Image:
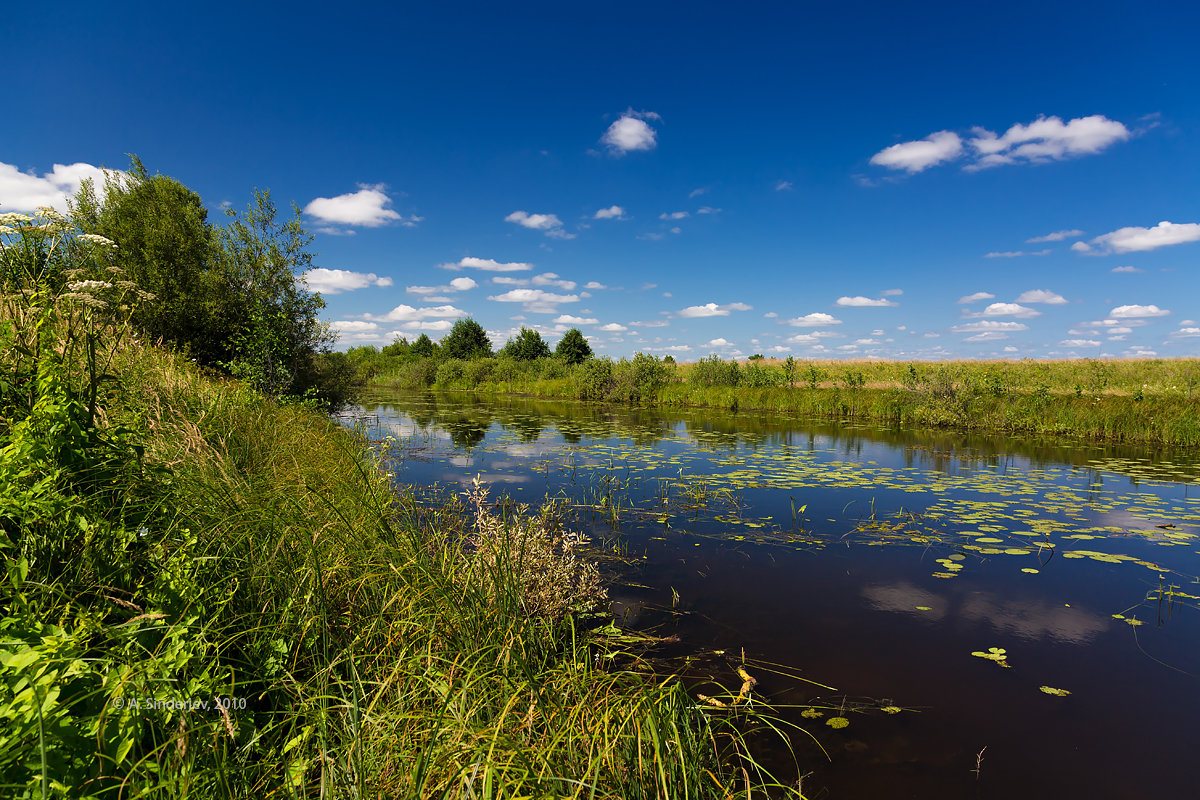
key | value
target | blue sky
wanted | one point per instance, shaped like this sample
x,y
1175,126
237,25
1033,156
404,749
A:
x,y
871,180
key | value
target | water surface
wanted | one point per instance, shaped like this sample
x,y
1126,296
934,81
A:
x,y
877,561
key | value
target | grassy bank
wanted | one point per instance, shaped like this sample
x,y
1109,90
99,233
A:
x,y
171,539
1138,402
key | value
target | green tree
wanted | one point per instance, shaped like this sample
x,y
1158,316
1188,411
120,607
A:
x,y
423,347
467,340
527,345
399,347
573,347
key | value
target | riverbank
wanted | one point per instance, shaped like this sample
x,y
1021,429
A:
x,y
1024,399
210,594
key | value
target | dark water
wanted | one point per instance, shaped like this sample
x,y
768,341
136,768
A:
x,y
914,550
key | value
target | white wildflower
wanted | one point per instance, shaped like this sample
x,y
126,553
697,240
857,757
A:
x,y
87,286
95,238
11,217
6,230
46,212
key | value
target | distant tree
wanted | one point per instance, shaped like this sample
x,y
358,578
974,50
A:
x,y
789,370
423,347
467,340
527,345
573,348
668,359
398,347
757,357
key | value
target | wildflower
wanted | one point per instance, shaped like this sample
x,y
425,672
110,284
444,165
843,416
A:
x,y
87,286
11,217
96,239
5,230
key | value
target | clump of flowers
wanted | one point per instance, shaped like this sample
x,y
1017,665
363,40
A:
x,y
533,553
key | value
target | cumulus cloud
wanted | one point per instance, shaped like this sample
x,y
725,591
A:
x,y
354,325
1186,333
1134,239
548,224
718,342
488,265
989,325
367,208
713,310
594,285
1046,139
708,210
455,285
25,191
673,215
405,313
567,319
613,327
975,298
1079,343
552,279
1134,312
814,320
335,281
649,323
536,301
631,132
987,336
864,302
936,148
1125,269
1041,296
1057,236
1006,310
612,212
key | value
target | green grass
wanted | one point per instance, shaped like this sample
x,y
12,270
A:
x,y
195,540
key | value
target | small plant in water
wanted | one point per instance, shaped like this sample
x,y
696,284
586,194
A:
x,y
997,654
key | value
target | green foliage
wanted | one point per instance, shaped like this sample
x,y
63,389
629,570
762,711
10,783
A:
x,y
450,371
712,371
423,347
852,379
527,345
593,379
757,376
814,375
466,340
789,370
573,347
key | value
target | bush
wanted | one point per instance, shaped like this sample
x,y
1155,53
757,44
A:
x,y
479,371
755,376
594,379
450,371
552,368
712,371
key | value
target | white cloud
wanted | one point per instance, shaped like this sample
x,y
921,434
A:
x,y
504,280
863,302
404,313
987,336
1079,343
974,298
771,315
892,292
814,320
1006,310
713,310
1057,236
989,325
1186,333
783,186
567,319
913,157
1016,253
1114,323
1126,312
630,133
649,323
673,215
718,343
613,327
537,301
335,281
1041,296
488,265
549,224
1081,247
428,325
612,212
455,285
1046,139
552,279
594,285
697,192
708,210
676,230
25,191
354,325
368,208
677,348
1125,269
1133,239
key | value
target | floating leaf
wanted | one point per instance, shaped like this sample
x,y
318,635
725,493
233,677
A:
x,y
811,713
837,722
891,709
1053,691
1030,570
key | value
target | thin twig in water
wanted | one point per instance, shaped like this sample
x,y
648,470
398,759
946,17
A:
x,y
978,762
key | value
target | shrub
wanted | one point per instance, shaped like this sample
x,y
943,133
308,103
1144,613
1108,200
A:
x,y
757,376
553,367
712,371
450,371
594,379
478,371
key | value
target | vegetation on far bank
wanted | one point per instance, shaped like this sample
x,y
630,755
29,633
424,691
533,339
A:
x,y
1136,401
212,591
